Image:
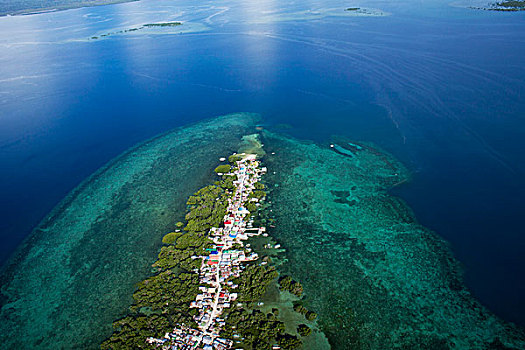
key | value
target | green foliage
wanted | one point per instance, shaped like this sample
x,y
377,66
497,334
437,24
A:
x,y
257,194
163,300
304,330
225,168
208,207
131,332
300,309
259,331
288,341
288,284
310,315
512,3
227,182
165,24
171,257
253,282
258,186
234,158
251,207
171,237
192,240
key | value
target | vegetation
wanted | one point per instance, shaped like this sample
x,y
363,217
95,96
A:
x,y
253,282
162,301
234,158
288,284
165,24
513,3
288,341
225,168
309,315
304,330
300,309
252,208
171,237
258,330
227,182
207,209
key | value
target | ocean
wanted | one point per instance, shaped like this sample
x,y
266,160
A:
x,y
438,86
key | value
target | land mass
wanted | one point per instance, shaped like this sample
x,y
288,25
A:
x,y
505,6
26,7
208,279
142,27
511,5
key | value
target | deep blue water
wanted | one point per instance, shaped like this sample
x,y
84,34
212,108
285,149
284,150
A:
x,y
438,86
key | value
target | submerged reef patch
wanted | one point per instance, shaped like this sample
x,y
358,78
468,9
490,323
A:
x,y
376,278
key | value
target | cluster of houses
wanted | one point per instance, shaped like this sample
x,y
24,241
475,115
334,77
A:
x,y
222,264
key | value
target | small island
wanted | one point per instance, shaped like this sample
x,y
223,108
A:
x,y
510,5
142,27
208,281
503,6
165,24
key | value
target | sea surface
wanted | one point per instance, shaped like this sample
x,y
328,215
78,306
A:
x,y
439,86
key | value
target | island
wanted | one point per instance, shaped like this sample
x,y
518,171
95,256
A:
x,y
163,24
504,6
142,27
208,280
510,5
342,262
26,7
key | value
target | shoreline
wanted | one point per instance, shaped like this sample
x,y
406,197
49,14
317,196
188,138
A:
x,y
40,11
77,235
209,262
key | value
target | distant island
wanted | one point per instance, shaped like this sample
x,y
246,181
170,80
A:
x,y
505,6
164,24
27,7
134,29
510,5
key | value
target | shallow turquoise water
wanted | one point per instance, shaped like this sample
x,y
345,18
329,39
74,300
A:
x,y
377,278
77,272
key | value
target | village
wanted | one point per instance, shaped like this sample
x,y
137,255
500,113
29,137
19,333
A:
x,y
223,262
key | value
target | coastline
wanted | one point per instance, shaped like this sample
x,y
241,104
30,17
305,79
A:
x,y
89,252
381,279
38,11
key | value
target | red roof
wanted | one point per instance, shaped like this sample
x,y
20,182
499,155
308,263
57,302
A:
x,y
228,222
